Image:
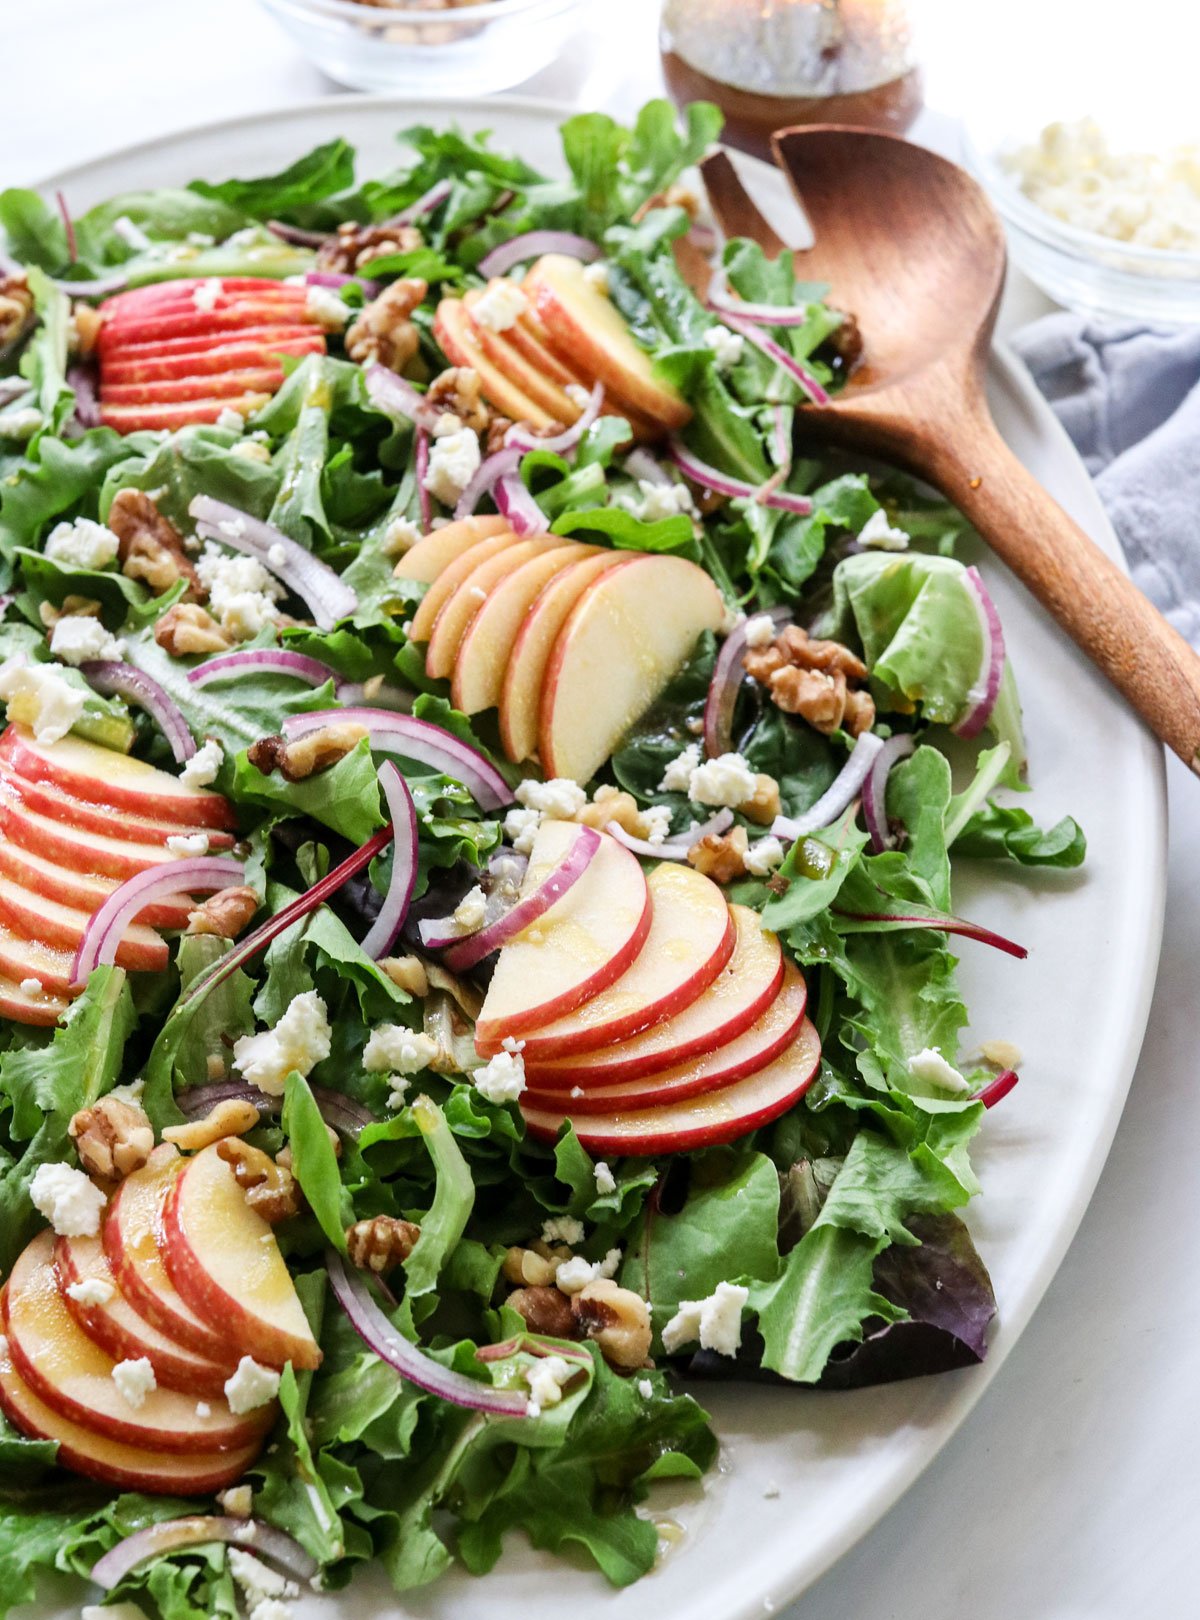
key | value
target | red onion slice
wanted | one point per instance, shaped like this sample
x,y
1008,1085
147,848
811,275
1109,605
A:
x,y
997,1089
425,204
776,352
488,475
875,789
941,924
100,287
265,661
298,237
727,678
199,1530
337,279
387,925
424,498
464,953
532,244
643,846
781,441
343,1113
692,835
124,680
525,516
82,382
408,1359
396,397
709,478
327,598
837,796
421,740
981,699
200,874
724,302
520,437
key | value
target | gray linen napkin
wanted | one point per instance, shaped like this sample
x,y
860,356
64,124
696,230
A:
x,y
1130,400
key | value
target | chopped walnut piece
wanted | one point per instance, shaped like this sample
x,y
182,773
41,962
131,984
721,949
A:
x,y
380,1243
86,322
764,803
225,913
73,607
354,246
846,340
270,1189
497,433
113,1138
808,652
151,547
232,1117
617,1320
317,751
383,330
458,389
545,1310
187,629
721,856
16,306
860,713
815,696
528,1267
407,973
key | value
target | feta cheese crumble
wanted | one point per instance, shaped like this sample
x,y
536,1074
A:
x,y
520,828
560,797
68,1199
201,770
661,501
263,1587
573,1276
546,1379
453,462
91,1291
878,534
677,778
763,856
231,421
134,1380
656,823
205,296
300,1040
251,1386
726,346
502,1080
597,278
203,1409
471,910
562,1229
188,843
82,544
645,1388
395,1046
727,780
606,1182
77,639
933,1068
30,987
401,535
242,595
760,630
328,308
500,306
398,1092
38,697
715,1321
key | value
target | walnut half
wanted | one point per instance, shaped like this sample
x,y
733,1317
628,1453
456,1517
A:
x,y
380,1243
383,331
151,547
188,628
617,1319
113,1138
271,1190
317,751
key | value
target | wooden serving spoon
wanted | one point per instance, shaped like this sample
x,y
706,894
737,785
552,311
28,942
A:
x,y
910,244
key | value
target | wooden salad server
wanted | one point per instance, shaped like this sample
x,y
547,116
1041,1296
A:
x,y
910,243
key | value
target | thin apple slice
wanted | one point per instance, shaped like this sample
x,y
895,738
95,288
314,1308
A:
x,y
131,1468
453,621
531,339
35,916
118,1329
452,576
699,1121
225,1262
87,771
48,799
691,938
766,1039
738,996
453,329
528,377
74,1375
585,941
22,959
39,1007
484,650
132,1245
165,361
438,549
587,326
209,385
525,672
81,851
153,418
627,635
83,890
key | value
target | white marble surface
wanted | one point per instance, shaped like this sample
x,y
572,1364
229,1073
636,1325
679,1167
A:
x,y
1072,1492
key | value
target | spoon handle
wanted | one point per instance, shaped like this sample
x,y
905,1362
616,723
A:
x,y
1098,605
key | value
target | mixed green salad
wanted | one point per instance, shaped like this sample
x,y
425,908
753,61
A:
x,y
824,1247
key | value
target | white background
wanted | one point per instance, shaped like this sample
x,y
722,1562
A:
x,y
1072,1492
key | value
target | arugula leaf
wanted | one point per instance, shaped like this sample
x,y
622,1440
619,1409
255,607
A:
x,y
821,1299
58,479
33,231
1007,832
313,1163
291,193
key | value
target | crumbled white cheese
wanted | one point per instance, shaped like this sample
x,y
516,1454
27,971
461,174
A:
x,y
203,1409
520,828
252,450
327,308
30,987
677,778
760,630
546,1378
131,1094
238,1501
91,1291
78,638
242,595
645,1388
68,1199
453,462
727,780
398,1092
573,1276
562,1229
230,421
879,535
201,770
597,277
931,1067
39,697
726,346
471,910
276,555
510,1043
134,1380
559,797
763,856
715,1321
112,1611
82,544
606,1182
251,1386
393,1046
500,306
188,843
656,823
502,1080
300,1040
400,536
205,296
661,501
578,395
1002,1053
262,1586
21,424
